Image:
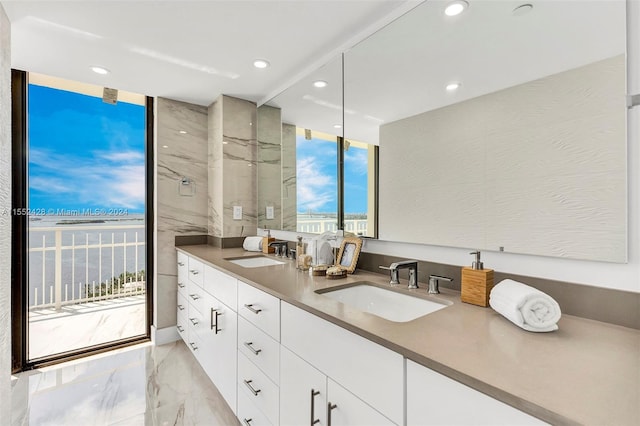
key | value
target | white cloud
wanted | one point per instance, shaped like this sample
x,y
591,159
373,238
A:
x,y
315,189
357,160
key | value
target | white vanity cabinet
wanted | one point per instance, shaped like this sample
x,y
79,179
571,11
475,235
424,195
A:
x,y
307,396
434,399
362,375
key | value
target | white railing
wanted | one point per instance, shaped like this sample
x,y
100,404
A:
x,y
321,225
64,293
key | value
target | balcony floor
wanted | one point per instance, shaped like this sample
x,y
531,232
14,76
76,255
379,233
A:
x,y
79,326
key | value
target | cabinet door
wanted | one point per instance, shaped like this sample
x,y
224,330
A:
x,y
344,408
303,391
219,339
434,399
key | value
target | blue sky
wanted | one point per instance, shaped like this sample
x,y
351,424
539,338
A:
x,y
317,180
84,153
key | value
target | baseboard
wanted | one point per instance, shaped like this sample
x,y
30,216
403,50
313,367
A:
x,y
165,335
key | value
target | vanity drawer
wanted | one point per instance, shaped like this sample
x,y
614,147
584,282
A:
x,y
196,271
260,309
183,327
249,414
221,286
183,269
182,304
260,390
194,343
260,348
196,297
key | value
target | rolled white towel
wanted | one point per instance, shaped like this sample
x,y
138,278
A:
x,y
252,244
525,306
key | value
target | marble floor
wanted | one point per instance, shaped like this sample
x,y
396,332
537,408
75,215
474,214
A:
x,y
79,326
141,385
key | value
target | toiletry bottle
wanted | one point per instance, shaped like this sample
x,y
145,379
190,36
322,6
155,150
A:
x,y
266,241
477,283
300,253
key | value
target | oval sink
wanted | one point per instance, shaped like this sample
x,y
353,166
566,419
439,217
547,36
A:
x,y
254,261
385,303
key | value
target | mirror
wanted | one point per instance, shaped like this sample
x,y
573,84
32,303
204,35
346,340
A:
x,y
527,155
297,128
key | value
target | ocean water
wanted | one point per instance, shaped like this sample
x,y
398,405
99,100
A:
x,y
83,265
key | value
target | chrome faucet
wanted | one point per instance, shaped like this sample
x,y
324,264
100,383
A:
x,y
434,287
281,248
411,265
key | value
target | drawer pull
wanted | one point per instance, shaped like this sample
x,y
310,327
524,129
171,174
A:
x,y
252,309
194,296
314,393
180,329
214,326
253,391
180,263
194,321
193,345
247,422
255,351
181,307
194,271
330,407
181,285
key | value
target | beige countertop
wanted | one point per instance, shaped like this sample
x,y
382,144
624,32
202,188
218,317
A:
x,y
587,372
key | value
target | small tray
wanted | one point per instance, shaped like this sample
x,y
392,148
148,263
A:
x,y
319,271
342,274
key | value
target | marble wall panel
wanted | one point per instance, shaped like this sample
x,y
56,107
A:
x,y
289,184
215,168
180,209
269,166
5,217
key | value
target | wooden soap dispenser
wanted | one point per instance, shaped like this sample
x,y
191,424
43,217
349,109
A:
x,y
477,283
268,239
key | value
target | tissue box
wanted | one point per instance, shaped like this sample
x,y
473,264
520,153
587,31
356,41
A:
x,y
476,285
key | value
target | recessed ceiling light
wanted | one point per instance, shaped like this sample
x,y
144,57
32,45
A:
x,y
454,85
320,83
225,143
183,132
456,8
260,63
165,146
99,70
337,126
523,9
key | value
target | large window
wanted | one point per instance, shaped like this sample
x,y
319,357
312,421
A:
x,y
84,218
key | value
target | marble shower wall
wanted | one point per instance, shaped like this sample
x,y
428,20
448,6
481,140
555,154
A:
x,y
180,209
289,183
5,216
232,167
269,166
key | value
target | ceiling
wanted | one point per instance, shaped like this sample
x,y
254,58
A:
x,y
191,51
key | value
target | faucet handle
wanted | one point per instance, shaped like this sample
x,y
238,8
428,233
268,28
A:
x,y
434,287
393,273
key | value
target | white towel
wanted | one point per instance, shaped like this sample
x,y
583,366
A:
x,y
525,306
252,244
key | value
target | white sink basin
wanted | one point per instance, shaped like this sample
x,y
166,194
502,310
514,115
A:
x,y
255,261
385,303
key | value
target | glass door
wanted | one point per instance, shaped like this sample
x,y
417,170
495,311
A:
x,y
86,284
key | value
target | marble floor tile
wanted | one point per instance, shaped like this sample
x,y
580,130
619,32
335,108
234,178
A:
x,y
145,385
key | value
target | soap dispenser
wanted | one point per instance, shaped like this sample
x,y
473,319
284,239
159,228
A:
x,y
477,282
266,240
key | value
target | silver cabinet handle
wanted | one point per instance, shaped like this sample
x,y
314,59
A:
x,y
247,422
180,263
194,271
181,285
194,296
255,351
314,393
253,391
330,407
180,328
193,345
181,307
252,309
194,321
214,326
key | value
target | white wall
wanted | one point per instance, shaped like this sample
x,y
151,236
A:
x,y
609,275
5,217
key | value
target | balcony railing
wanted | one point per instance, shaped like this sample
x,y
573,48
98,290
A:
x,y
65,291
